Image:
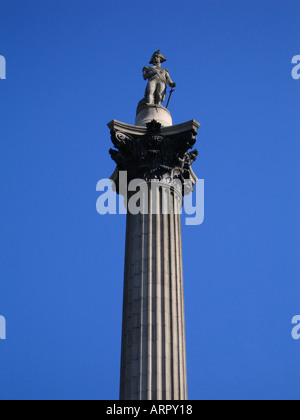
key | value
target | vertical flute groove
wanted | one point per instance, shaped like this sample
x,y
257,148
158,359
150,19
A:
x,y
183,316
149,302
158,394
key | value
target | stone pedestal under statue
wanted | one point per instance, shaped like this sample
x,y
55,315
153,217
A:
x,y
147,113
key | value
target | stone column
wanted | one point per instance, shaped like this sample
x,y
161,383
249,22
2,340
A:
x,y
153,362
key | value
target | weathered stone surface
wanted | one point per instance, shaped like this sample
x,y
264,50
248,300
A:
x,y
153,363
154,153
148,113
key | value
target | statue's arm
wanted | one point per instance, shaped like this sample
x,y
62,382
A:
x,y
146,72
169,80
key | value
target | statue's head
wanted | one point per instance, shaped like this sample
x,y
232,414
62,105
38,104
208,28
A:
x,y
157,57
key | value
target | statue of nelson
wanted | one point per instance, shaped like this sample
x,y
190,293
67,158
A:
x,y
158,79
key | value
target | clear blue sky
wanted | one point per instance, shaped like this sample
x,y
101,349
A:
x,y
73,66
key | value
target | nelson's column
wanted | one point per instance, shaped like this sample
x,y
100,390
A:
x,y
155,153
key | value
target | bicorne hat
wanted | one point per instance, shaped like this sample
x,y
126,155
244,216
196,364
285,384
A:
x,y
159,54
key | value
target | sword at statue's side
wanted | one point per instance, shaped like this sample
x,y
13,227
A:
x,y
172,90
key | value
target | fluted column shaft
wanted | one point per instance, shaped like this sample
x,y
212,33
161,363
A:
x,y
153,363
